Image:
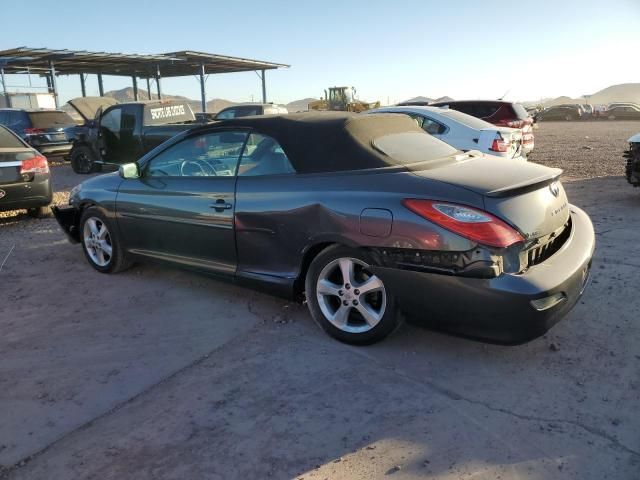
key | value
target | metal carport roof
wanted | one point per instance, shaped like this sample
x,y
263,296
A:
x,y
51,62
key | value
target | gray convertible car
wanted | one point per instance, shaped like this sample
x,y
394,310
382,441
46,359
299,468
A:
x,y
363,215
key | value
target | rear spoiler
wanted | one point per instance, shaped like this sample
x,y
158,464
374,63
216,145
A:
x,y
527,186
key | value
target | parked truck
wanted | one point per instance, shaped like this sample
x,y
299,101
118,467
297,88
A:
x,y
117,133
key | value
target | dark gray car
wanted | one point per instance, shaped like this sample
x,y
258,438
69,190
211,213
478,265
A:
x,y
25,180
363,215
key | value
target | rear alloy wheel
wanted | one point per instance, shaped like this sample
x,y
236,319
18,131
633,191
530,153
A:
x,y
101,246
82,160
347,299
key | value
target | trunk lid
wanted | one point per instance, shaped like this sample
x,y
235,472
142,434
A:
x,y
11,163
526,195
512,136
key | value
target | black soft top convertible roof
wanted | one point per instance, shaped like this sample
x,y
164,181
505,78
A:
x,y
329,141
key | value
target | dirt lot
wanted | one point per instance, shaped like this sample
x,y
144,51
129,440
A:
x,y
157,373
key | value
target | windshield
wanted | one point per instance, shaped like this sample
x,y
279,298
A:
x,y
412,147
50,119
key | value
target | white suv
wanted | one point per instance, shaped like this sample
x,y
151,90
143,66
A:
x,y
250,109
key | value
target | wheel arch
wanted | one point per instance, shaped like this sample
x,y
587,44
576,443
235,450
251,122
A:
x,y
308,255
312,250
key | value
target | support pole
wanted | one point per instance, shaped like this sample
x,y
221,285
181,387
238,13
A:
x,y
148,89
203,93
7,100
54,84
158,82
135,87
264,88
83,86
100,86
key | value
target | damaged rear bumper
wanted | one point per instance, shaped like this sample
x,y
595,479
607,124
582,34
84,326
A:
x,y
68,219
508,309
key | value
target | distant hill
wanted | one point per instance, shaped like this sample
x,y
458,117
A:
x,y
429,100
625,92
300,105
126,95
419,99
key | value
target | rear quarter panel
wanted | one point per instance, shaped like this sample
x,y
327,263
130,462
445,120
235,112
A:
x,y
279,218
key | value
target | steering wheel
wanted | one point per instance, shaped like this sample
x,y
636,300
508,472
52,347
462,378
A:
x,y
198,171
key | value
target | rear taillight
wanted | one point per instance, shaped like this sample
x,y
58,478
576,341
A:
x,y
33,131
476,225
499,144
37,164
514,123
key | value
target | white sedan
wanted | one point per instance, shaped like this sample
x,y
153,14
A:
x,y
463,131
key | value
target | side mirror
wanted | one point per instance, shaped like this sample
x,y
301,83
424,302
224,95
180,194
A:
x,y
129,171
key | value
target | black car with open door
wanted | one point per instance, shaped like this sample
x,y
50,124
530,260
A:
x,y
124,132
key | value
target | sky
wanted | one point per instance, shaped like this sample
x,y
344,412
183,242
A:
x,y
389,50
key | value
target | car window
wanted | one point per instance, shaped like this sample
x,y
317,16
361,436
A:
x,y
50,119
412,147
9,140
248,111
484,109
263,156
419,119
226,114
128,117
433,127
3,117
110,122
462,107
206,155
13,120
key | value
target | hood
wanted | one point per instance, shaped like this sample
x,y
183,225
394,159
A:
x,y
88,106
634,139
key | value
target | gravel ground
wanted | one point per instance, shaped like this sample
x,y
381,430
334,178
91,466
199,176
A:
x,y
157,373
583,149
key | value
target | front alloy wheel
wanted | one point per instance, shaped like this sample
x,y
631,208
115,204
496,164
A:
x,y
347,299
100,242
97,241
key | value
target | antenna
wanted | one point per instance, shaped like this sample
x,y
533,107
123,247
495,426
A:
x,y
504,95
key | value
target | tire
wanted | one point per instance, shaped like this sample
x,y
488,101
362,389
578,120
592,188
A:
x,y
83,160
336,304
39,212
103,250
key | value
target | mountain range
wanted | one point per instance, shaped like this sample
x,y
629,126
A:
x,y
626,92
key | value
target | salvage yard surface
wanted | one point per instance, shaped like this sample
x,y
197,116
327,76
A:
x,y
158,373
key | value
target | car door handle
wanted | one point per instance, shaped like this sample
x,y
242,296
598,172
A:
x,y
221,205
